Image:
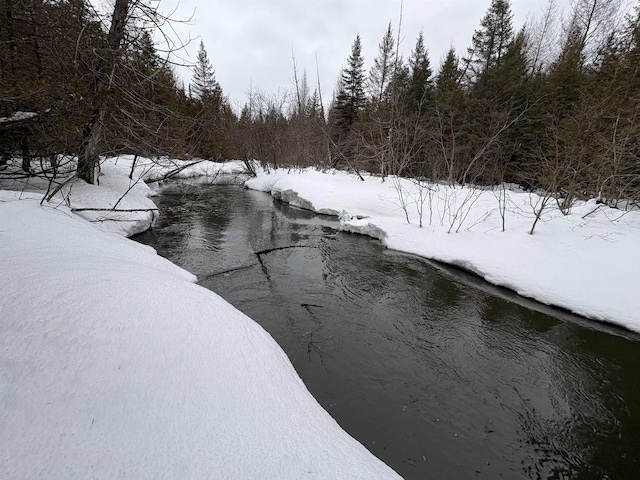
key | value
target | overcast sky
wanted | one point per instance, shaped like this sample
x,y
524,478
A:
x,y
250,42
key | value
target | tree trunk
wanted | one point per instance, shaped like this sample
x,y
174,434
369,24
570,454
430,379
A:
x,y
26,155
88,158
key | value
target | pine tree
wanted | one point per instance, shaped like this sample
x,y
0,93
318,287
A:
x,y
448,78
382,71
449,119
491,41
420,79
350,98
204,83
347,106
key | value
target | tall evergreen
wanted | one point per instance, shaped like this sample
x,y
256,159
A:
x,y
491,41
203,82
448,78
350,98
449,118
420,77
383,67
348,104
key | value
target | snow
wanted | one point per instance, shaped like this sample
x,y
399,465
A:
x,y
196,170
586,261
17,116
114,363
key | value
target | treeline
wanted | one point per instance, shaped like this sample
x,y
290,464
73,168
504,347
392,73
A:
x,y
553,107
76,84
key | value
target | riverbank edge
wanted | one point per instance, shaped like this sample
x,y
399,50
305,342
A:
x,y
600,288
117,364
582,262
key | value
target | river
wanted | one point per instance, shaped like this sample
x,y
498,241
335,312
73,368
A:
x,y
437,373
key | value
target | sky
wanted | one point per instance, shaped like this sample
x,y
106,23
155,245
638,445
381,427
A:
x,y
251,42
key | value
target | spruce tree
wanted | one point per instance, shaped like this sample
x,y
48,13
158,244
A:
x,y
382,71
420,77
491,41
351,96
348,104
203,82
448,78
449,119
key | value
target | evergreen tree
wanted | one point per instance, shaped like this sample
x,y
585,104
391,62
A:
x,y
347,106
382,71
491,41
350,98
448,78
203,82
449,119
566,74
213,115
420,77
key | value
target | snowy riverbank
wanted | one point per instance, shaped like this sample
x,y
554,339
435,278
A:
x,y
587,261
114,363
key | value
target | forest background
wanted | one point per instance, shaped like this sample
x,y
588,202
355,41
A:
x,y
552,107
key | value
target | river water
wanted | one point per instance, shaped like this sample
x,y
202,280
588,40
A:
x,y
437,373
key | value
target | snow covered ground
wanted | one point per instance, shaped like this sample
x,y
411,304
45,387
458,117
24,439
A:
x,y
113,363
587,261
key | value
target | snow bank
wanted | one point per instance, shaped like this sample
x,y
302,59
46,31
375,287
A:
x,y
114,364
201,171
118,204
586,262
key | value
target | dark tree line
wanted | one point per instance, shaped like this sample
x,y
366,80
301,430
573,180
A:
x,y
554,106
76,85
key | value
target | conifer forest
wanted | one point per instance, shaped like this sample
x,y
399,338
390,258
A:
x,y
553,106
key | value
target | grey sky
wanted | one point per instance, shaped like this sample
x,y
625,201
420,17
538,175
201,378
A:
x,y
250,42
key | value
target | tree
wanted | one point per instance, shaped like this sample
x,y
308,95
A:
x,y
212,112
420,86
38,74
543,39
203,82
88,157
491,41
383,68
449,118
350,98
348,104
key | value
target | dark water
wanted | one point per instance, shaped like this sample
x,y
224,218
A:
x,y
438,374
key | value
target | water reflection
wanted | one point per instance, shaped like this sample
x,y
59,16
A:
x,y
437,373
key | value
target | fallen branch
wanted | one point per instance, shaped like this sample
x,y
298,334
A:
x,y
229,270
269,250
177,170
113,209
